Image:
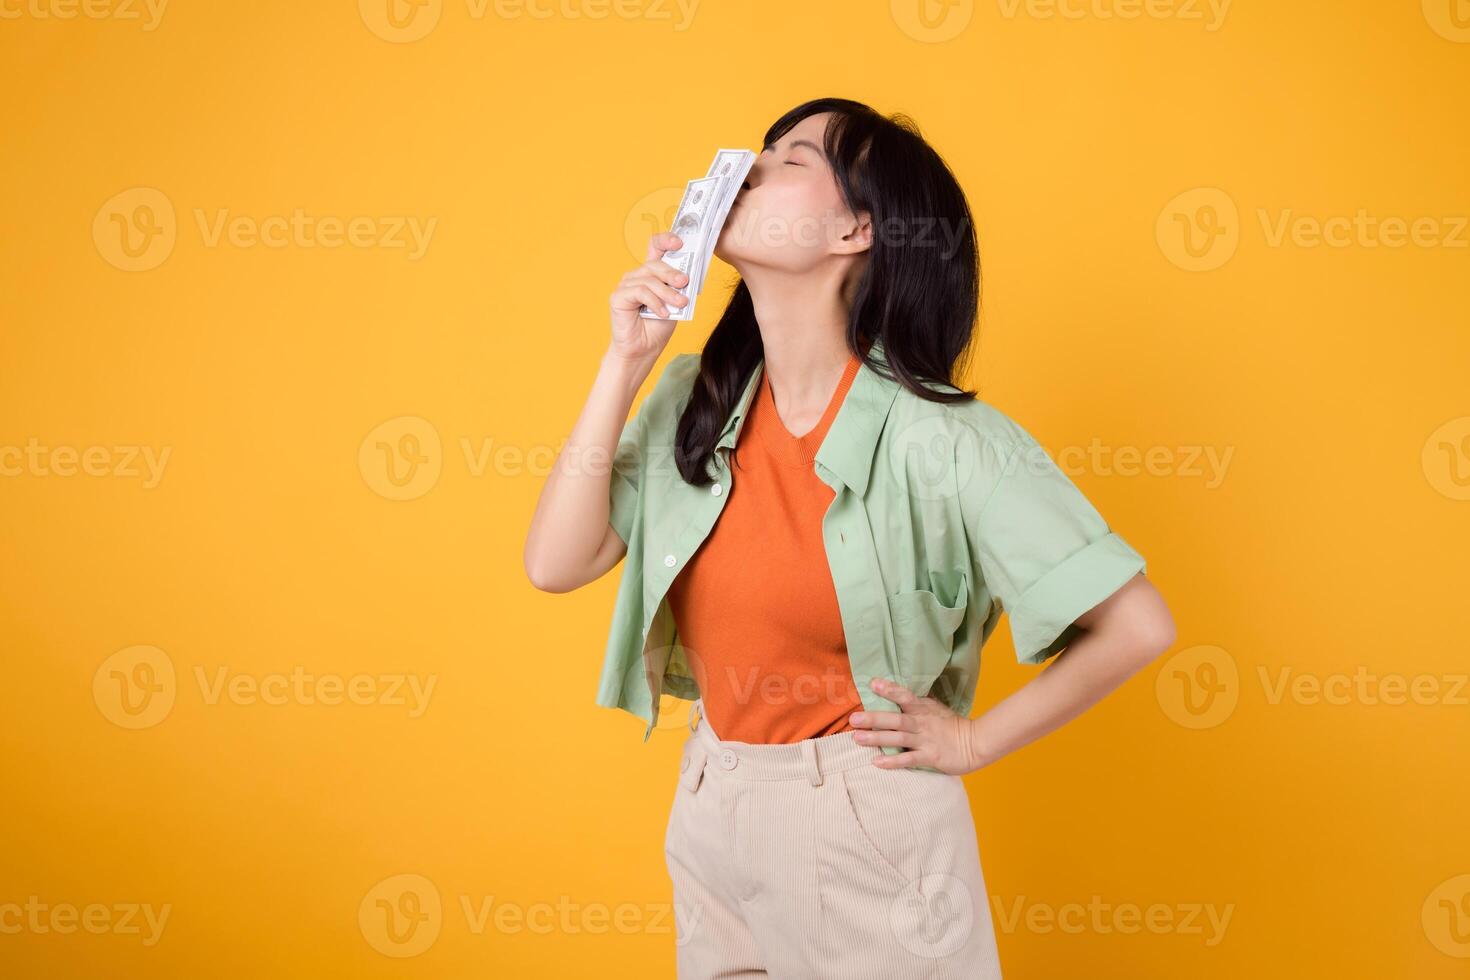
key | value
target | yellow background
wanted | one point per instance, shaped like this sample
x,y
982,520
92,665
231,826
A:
x,y
1329,829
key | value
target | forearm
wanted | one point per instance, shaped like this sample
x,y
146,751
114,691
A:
x,y
1093,664
572,513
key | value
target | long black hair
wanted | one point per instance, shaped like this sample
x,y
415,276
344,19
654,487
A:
x,y
919,293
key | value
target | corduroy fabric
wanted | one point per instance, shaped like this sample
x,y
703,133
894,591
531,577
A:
x,y
804,861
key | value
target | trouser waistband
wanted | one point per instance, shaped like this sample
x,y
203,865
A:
x,y
809,759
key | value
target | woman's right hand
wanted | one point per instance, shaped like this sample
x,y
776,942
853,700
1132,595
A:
x,y
652,284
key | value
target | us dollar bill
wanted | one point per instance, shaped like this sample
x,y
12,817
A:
x,y
700,217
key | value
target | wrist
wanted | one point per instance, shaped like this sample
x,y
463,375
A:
x,y
629,371
977,754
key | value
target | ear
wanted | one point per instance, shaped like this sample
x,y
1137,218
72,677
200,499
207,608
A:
x,y
858,238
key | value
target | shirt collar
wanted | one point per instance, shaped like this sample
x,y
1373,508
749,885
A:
x,y
847,450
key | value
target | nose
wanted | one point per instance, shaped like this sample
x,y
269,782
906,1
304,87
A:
x,y
753,175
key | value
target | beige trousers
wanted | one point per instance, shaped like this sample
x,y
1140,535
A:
x,y
806,861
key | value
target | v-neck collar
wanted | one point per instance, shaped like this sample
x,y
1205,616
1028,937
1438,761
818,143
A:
x,y
852,438
792,450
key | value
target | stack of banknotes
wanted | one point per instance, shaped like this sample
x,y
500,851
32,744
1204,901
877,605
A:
x,y
702,213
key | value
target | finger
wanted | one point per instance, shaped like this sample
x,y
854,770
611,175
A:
x,y
904,739
665,272
653,301
632,297
664,241
669,293
876,720
895,692
899,760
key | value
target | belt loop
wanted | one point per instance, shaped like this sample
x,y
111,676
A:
x,y
809,759
694,715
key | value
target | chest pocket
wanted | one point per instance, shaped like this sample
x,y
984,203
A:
x,y
924,625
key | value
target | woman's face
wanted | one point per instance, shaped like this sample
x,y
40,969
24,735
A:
x,y
790,216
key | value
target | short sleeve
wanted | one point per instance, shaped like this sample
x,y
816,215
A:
x,y
1045,551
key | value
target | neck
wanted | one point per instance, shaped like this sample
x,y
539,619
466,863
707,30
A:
x,y
803,325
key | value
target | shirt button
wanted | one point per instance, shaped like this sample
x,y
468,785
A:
x,y
727,759
669,560
716,489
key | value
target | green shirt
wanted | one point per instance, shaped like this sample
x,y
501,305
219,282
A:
x,y
944,516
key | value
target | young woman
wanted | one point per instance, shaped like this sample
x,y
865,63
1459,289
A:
x,y
820,532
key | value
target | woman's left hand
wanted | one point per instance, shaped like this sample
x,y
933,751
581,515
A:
x,y
933,734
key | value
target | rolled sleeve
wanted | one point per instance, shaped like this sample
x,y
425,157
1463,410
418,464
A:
x,y
1046,553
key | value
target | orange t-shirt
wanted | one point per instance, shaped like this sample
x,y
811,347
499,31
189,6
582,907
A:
x,y
755,606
